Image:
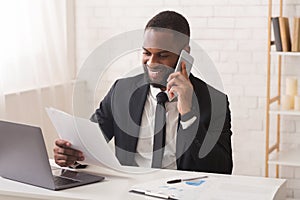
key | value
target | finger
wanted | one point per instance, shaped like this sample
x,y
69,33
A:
x,y
176,76
183,70
61,157
171,83
178,80
63,143
66,160
63,160
171,95
175,89
64,163
173,75
71,159
70,152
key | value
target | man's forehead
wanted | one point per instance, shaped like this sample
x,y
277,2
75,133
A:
x,y
163,39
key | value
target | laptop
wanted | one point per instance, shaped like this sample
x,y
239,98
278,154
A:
x,y
24,158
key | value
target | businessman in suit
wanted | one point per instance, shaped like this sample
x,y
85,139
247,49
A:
x,y
191,132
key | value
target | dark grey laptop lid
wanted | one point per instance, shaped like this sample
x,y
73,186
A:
x,y
23,155
24,158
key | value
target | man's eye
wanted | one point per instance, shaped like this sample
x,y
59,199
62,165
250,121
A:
x,y
163,55
146,53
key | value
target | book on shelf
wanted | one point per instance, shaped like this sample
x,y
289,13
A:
x,y
296,35
285,33
276,30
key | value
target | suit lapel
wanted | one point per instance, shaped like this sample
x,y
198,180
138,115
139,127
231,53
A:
x,y
136,108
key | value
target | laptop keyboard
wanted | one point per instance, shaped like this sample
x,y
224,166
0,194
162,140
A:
x,y
58,180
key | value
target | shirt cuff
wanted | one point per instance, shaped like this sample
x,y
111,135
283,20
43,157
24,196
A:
x,y
188,123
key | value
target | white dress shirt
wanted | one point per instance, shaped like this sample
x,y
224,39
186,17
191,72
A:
x,y
144,154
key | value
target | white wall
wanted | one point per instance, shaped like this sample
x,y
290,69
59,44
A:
x,y
234,34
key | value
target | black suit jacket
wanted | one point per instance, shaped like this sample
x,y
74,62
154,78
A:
x,y
204,146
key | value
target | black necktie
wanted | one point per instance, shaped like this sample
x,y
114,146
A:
x,y
159,130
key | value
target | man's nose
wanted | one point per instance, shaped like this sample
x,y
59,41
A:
x,y
153,61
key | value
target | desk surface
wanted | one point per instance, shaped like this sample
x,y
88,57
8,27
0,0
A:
x,y
116,186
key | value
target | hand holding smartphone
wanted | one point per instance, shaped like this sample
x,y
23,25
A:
x,y
188,60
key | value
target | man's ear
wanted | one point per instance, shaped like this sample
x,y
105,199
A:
x,y
187,48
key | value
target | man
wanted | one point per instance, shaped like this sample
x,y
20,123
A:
x,y
194,132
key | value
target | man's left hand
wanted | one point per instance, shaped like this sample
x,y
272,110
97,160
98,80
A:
x,y
180,83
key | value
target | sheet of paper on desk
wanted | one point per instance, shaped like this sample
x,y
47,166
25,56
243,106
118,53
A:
x,y
184,190
85,136
213,187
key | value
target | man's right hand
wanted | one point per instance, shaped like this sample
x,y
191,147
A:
x,y
64,155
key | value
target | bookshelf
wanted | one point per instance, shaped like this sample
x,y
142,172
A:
x,y
274,156
287,158
281,53
276,110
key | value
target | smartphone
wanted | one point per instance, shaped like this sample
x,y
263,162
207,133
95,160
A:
x,y
189,60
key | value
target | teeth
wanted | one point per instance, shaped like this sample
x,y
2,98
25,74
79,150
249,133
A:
x,y
154,71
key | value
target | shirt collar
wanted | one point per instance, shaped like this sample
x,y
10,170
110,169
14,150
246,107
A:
x,y
154,91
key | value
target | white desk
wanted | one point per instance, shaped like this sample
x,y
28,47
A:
x,y
117,185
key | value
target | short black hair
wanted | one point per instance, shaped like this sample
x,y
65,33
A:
x,y
170,20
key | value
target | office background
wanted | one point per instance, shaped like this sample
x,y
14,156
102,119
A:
x,y
232,32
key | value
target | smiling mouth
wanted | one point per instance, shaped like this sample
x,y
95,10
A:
x,y
155,69
155,73
158,75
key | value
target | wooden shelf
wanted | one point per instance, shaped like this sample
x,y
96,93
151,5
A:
x,y
282,53
287,158
278,111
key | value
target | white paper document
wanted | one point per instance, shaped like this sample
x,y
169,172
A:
x,y
85,136
191,190
214,187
